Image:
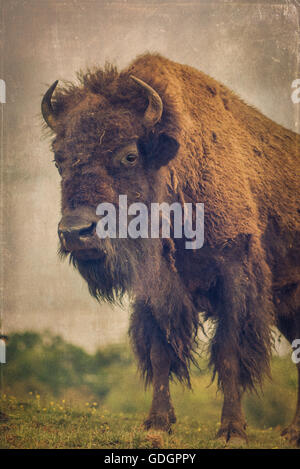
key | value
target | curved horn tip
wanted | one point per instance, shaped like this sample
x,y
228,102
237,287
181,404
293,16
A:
x,y
54,84
155,107
50,90
47,110
137,80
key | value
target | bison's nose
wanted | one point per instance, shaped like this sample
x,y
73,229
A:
x,y
75,232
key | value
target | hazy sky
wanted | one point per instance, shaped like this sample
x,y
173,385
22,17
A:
x,y
252,48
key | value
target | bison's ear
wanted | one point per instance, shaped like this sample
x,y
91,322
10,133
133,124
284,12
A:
x,y
158,150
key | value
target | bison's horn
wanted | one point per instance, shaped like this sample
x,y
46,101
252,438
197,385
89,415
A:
x,y
154,110
47,109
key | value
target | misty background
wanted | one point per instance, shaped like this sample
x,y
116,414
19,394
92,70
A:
x,y
253,48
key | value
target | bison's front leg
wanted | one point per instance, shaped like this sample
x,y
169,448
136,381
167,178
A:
x,y
161,414
233,422
152,351
163,329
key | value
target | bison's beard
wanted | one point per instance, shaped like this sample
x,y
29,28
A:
x,y
111,276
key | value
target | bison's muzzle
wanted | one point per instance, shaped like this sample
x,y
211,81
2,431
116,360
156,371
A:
x,y
77,234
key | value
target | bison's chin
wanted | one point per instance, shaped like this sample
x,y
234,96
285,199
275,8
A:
x,y
109,271
112,269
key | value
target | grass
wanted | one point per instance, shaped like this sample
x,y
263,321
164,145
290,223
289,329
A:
x,y
98,401
34,424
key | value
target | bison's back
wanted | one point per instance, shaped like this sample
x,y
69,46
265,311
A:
x,y
240,163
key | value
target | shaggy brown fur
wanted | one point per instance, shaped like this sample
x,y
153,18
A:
x,y
210,147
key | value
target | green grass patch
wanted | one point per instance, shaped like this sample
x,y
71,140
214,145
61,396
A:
x,y
55,395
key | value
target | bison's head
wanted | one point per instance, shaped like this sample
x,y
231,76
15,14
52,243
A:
x,y
106,144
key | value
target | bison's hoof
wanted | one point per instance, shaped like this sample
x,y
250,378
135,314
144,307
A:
x,y
160,421
292,434
233,435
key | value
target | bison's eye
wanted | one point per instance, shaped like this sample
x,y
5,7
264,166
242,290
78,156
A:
x,y
130,159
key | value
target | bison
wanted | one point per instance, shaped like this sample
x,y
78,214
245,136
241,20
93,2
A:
x,y
160,131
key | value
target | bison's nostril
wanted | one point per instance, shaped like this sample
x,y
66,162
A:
x,y
76,232
88,230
